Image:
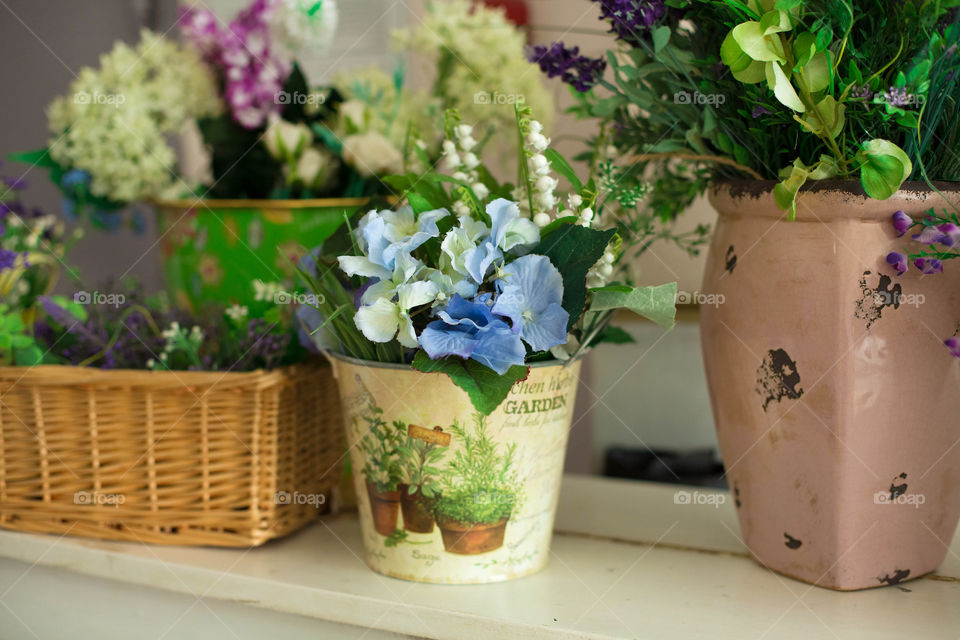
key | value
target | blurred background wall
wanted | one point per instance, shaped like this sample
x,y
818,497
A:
x,y
651,394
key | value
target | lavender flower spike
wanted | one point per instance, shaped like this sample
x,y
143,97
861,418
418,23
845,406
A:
x,y
898,261
630,19
901,222
557,60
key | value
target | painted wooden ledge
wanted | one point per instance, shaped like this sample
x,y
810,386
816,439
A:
x,y
628,561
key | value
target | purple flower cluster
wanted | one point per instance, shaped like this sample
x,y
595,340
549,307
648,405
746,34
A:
x,y
557,60
630,19
252,73
935,230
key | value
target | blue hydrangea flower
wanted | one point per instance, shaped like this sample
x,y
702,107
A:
x,y
468,329
508,233
530,295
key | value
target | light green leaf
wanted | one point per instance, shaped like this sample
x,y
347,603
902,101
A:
x,y
832,114
804,46
782,89
774,22
754,73
750,37
884,168
817,72
658,304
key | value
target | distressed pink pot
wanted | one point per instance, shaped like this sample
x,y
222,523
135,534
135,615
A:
x,y
831,388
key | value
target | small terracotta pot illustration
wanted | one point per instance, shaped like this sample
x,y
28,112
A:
x,y
416,516
385,509
471,539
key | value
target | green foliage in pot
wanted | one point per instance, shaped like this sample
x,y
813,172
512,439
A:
x,y
480,484
792,90
381,445
420,459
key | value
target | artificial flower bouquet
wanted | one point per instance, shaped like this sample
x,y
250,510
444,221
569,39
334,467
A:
x,y
476,278
791,90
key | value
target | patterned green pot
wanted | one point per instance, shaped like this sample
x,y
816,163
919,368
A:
x,y
214,249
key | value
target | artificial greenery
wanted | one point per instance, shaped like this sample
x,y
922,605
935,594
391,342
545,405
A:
x,y
791,90
479,484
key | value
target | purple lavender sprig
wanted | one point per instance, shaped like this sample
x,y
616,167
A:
x,y
631,19
558,60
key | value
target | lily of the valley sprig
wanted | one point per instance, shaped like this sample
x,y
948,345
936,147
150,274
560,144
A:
x,y
476,278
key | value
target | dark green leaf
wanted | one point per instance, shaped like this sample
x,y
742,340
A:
x,y
485,387
573,249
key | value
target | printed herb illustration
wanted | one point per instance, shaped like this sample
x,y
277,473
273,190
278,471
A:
x,y
480,485
420,459
381,447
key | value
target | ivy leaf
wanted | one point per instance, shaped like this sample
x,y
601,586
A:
x,y
485,387
658,304
573,249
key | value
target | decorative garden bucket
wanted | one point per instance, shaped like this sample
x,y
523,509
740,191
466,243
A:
x,y
836,403
214,249
446,494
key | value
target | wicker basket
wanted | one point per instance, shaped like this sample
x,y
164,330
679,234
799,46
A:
x,y
194,458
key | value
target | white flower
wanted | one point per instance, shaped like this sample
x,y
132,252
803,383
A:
x,y
470,160
538,164
537,142
586,217
296,25
574,201
481,190
354,113
461,208
284,139
542,219
311,167
535,127
468,143
384,319
237,312
545,201
546,183
371,154
463,131
460,175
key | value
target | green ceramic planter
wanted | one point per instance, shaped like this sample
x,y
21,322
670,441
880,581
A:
x,y
214,249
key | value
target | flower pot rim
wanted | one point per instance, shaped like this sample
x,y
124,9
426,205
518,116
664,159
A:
x,y
373,364
827,200
258,203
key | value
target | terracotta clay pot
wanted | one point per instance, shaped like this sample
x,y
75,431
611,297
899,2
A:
x,y
835,400
385,509
416,517
471,539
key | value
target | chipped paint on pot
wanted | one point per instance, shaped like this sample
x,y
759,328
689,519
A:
x,y
836,403
396,416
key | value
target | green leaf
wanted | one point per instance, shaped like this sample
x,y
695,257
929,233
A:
x,y
804,46
573,250
884,168
658,304
750,36
614,335
485,387
780,85
559,164
556,224
661,36
817,73
419,203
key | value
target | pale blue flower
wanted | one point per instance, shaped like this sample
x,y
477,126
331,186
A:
x,y
508,233
468,329
383,235
530,295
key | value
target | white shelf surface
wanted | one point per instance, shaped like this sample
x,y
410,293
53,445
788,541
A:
x,y
627,562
